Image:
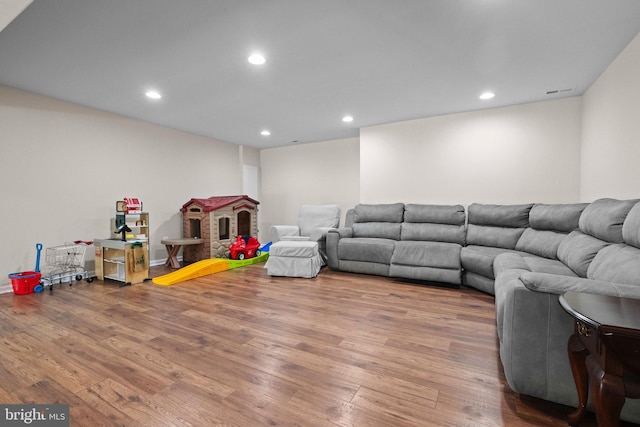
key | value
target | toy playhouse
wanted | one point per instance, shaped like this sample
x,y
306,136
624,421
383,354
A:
x,y
218,221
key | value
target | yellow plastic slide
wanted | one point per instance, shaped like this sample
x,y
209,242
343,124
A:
x,y
204,268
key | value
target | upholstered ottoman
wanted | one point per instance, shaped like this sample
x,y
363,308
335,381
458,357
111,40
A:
x,y
294,259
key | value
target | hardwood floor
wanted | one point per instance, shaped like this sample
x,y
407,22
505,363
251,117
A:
x,y
240,348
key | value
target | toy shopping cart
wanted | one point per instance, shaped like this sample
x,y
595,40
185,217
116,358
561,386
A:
x,y
64,264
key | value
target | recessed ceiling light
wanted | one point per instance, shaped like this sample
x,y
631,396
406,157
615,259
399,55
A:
x,y
265,133
153,94
347,119
257,59
487,95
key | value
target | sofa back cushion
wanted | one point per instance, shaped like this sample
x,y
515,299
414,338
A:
x,y
543,243
631,227
617,263
436,223
497,225
557,217
512,216
577,250
549,226
379,221
604,218
393,212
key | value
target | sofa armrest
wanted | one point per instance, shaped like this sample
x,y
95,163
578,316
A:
x,y
276,232
333,237
557,284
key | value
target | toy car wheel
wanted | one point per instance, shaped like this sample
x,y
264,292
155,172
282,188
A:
x,y
258,252
79,277
89,279
241,256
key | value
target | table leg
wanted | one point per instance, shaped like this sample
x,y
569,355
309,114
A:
x,y
172,258
608,394
577,358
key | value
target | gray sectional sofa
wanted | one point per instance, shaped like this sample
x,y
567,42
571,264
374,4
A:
x,y
526,255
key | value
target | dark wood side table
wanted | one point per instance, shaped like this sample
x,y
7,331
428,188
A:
x,y
604,352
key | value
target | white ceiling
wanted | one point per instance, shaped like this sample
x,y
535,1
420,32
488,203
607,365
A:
x,y
379,60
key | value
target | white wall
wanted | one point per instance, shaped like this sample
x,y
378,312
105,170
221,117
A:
x,y
319,173
611,130
63,167
518,154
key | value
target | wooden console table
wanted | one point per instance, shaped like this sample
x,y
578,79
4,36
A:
x,y
173,247
604,352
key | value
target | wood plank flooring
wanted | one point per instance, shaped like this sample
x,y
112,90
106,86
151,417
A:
x,y
240,348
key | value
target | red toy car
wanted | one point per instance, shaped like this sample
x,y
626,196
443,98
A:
x,y
244,247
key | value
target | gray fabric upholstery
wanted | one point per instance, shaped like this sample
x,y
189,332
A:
x,y
416,241
631,227
379,213
616,263
526,255
479,259
366,249
437,214
433,232
592,259
603,219
577,251
512,216
382,230
543,243
560,217
427,254
493,236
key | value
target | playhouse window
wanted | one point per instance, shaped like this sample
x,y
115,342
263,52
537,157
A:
x,y
244,223
223,228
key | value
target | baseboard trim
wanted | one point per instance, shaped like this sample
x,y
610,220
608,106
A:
x,y
6,287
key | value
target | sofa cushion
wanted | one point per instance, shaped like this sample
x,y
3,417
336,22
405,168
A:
x,y
438,214
433,232
497,237
366,249
631,227
526,262
577,250
556,217
543,243
379,213
603,219
427,254
479,259
516,216
617,263
382,230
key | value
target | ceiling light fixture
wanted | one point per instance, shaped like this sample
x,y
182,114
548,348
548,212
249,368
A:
x,y
487,95
265,133
257,59
153,94
347,119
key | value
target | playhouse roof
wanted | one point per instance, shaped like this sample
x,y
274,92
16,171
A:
x,y
217,202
